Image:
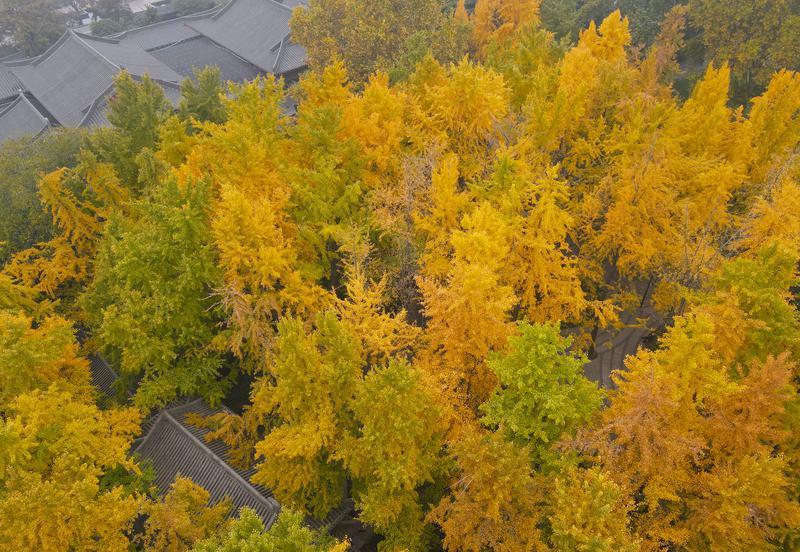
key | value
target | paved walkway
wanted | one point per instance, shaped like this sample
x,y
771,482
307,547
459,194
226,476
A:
x,y
613,345
611,348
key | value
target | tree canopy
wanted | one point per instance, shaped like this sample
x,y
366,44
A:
x,y
495,288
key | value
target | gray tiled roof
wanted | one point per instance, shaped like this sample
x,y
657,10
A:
x,y
71,82
131,58
103,376
75,72
97,113
176,448
164,33
200,51
20,118
55,80
253,29
291,58
9,84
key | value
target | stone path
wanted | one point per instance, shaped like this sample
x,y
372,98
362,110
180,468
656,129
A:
x,y
611,348
613,345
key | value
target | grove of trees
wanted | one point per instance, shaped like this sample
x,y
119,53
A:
x,y
412,267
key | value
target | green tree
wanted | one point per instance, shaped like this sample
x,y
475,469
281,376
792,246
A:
x,y
757,38
136,111
32,25
23,220
543,393
115,10
566,18
395,451
314,376
201,96
150,300
589,511
185,7
54,451
375,35
327,170
288,534
106,27
750,300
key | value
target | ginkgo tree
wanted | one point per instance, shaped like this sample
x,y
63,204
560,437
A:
x,y
55,449
151,298
697,431
392,253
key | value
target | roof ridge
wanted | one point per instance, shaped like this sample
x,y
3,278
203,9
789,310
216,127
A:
x,y
8,107
270,503
41,108
197,15
237,54
224,8
105,363
94,50
36,60
107,39
281,4
281,47
20,98
149,433
25,99
89,110
232,2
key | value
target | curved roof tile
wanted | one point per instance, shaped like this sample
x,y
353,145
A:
x,y
174,449
71,76
253,29
20,118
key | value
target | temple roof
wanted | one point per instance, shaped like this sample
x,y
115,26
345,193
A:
x,y
103,376
164,33
20,118
254,29
175,447
70,83
79,69
183,57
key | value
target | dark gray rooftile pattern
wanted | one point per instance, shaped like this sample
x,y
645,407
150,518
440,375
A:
x,y
79,70
9,84
103,376
162,34
220,449
131,58
67,78
174,449
71,82
292,58
172,92
20,118
199,52
253,29
613,345
174,446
